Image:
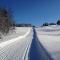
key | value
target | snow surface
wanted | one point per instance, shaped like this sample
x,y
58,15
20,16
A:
x,y
37,51
13,34
23,43
50,38
17,50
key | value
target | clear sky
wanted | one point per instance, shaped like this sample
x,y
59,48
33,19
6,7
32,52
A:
x,y
35,12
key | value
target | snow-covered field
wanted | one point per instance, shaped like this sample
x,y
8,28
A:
x,y
50,38
17,44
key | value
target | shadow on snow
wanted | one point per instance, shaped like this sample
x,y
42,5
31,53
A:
x,y
37,51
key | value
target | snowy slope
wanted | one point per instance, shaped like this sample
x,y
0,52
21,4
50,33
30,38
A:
x,y
50,39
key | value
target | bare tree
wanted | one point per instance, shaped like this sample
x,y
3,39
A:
x,y
6,21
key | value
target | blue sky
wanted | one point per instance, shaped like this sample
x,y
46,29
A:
x,y
35,12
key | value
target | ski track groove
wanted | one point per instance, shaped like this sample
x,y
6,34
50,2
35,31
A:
x,y
14,51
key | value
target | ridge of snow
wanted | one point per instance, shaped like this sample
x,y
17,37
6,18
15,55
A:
x,y
14,39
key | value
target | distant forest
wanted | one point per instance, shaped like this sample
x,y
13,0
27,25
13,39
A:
x,y
47,24
23,25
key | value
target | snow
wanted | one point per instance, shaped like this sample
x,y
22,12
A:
x,y
50,40
13,34
18,50
17,44
37,51
14,39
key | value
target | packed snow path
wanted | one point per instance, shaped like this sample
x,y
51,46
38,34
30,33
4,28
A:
x,y
27,48
37,51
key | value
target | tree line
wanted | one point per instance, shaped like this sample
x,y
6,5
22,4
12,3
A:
x,y
7,23
46,24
